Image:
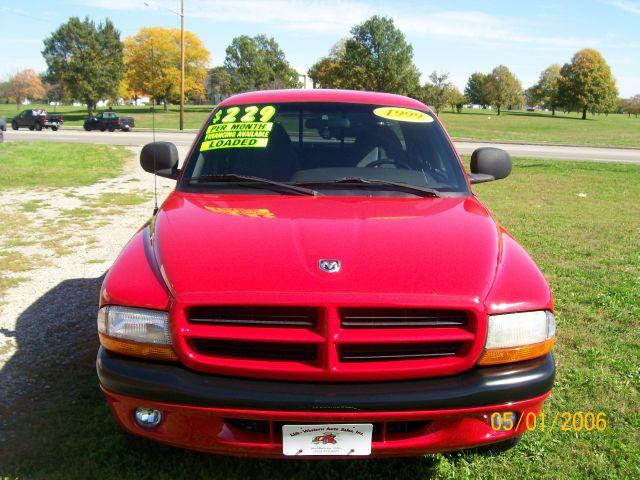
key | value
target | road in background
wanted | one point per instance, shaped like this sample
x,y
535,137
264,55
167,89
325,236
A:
x,y
184,139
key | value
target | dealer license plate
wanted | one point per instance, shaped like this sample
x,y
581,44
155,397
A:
x,y
336,439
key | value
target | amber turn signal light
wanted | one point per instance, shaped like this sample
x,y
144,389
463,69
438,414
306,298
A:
x,y
135,349
515,354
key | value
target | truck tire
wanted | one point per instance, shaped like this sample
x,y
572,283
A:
x,y
38,126
112,129
126,128
14,125
1,135
102,129
31,128
54,128
87,128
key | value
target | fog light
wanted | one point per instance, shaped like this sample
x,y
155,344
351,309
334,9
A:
x,y
148,417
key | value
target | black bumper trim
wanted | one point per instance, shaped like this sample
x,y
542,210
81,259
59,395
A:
x,y
473,388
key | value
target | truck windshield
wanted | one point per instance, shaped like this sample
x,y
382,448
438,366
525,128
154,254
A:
x,y
329,146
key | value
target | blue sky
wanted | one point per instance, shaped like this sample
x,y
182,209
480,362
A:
x,y
454,36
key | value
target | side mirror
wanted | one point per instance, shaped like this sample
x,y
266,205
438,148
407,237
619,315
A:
x,y
488,164
166,159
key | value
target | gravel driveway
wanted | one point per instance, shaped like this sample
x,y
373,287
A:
x,y
48,318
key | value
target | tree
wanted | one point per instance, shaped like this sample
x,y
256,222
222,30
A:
x,y
456,99
25,84
125,92
85,59
435,93
152,59
4,92
325,73
503,88
632,106
219,83
377,57
258,63
531,97
54,92
586,84
476,89
547,90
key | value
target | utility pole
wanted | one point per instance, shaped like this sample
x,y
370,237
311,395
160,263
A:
x,y
181,64
181,15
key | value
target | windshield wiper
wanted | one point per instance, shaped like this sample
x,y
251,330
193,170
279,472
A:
x,y
255,182
403,187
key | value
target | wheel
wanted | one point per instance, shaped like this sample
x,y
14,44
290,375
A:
x,y
38,126
112,129
87,128
1,135
54,128
31,128
14,125
102,129
126,128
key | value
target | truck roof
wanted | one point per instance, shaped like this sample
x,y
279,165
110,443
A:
x,y
324,95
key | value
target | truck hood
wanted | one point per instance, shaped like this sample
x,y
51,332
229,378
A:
x,y
209,246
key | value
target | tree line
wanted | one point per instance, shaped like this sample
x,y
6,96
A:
x,y
378,57
88,62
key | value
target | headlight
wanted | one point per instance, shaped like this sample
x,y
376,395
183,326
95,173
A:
x,y
136,332
513,337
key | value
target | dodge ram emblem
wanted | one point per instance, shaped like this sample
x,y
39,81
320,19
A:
x,y
331,266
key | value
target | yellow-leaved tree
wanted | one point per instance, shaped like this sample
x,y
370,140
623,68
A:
x,y
152,64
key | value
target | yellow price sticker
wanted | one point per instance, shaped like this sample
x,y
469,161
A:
x,y
239,127
403,114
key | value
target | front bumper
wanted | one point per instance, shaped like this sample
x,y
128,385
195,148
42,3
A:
x,y
244,416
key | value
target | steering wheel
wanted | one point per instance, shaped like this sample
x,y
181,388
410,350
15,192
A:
x,y
387,161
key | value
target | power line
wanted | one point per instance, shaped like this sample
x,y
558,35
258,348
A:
x,y
27,15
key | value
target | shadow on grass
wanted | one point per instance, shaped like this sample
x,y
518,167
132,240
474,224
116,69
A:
x,y
55,422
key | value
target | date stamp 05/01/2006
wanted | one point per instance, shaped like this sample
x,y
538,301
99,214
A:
x,y
561,421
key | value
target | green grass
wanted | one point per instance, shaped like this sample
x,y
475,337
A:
x,y
52,165
49,164
588,249
513,126
541,127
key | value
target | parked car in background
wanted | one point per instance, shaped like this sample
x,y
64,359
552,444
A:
x,y
35,119
323,281
109,121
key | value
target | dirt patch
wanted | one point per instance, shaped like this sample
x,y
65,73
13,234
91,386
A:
x,y
56,246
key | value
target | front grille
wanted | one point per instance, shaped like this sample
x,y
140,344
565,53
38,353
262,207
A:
x,y
400,351
255,316
400,318
257,350
330,343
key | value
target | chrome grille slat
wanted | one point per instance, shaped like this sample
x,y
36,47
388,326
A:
x,y
381,352
301,352
400,318
255,316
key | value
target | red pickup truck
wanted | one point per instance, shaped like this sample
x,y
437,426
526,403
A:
x,y
323,282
